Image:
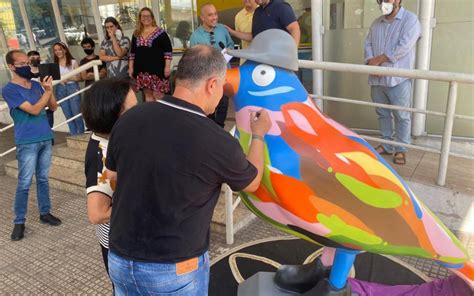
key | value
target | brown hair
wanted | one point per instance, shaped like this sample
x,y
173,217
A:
x,y
69,57
114,21
139,28
10,57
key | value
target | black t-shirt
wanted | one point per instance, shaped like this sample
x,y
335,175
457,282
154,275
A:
x,y
276,15
170,166
85,61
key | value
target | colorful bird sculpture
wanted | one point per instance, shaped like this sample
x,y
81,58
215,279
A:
x,y
322,182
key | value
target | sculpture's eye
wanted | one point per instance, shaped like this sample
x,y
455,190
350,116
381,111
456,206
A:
x,y
263,75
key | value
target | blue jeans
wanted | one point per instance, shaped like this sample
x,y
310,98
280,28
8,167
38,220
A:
x,y
398,95
71,107
140,278
35,159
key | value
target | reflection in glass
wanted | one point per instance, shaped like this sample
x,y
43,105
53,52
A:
x,y
124,11
13,34
12,24
78,20
43,26
177,20
302,11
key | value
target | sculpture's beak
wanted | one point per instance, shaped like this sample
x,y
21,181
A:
x,y
231,87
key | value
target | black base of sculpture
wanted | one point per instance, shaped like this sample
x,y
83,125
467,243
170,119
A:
x,y
301,278
262,284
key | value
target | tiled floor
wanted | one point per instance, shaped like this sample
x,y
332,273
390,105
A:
x,y
422,167
67,260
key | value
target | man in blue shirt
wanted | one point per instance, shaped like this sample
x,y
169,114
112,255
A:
x,y
391,42
216,35
271,14
33,136
211,32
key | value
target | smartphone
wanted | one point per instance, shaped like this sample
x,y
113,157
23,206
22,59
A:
x,y
49,69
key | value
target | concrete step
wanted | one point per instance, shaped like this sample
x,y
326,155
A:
x,y
60,177
78,142
68,157
67,173
242,216
71,179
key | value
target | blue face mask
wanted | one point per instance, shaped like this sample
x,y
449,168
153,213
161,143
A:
x,y
24,72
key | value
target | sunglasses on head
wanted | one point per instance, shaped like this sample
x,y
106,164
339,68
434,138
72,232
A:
x,y
213,39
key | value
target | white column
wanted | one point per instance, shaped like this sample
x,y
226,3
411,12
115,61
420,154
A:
x,y
193,8
317,40
4,49
59,22
3,41
423,58
155,7
97,20
26,22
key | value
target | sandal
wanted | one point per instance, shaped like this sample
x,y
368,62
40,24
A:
x,y
381,150
399,158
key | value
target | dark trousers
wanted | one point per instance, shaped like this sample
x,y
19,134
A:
x,y
50,115
219,116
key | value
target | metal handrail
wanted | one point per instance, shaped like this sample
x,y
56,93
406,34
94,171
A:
x,y
392,107
93,64
387,71
74,72
59,102
54,128
452,78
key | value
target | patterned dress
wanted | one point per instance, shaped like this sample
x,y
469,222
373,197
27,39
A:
x,y
149,55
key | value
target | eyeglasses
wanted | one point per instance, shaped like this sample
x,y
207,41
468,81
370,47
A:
x,y
21,64
213,39
145,16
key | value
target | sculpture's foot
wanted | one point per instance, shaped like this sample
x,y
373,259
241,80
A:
x,y
301,278
324,288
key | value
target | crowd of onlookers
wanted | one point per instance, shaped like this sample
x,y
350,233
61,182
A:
x,y
164,195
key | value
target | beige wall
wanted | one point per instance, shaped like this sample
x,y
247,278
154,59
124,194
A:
x,y
452,51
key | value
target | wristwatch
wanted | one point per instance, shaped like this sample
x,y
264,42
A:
x,y
258,137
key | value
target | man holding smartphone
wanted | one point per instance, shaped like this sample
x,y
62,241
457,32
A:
x,y
33,137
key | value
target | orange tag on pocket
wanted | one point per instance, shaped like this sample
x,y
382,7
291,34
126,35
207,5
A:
x,y
187,266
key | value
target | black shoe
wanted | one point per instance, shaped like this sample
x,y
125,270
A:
x,y
17,232
301,278
50,219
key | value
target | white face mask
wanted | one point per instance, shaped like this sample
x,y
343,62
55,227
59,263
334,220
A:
x,y
118,34
386,8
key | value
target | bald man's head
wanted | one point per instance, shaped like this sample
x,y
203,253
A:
x,y
209,15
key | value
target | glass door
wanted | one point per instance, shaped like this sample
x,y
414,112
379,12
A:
x,y
125,11
43,26
12,34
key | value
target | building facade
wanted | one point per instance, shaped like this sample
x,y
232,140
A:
x,y
37,24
